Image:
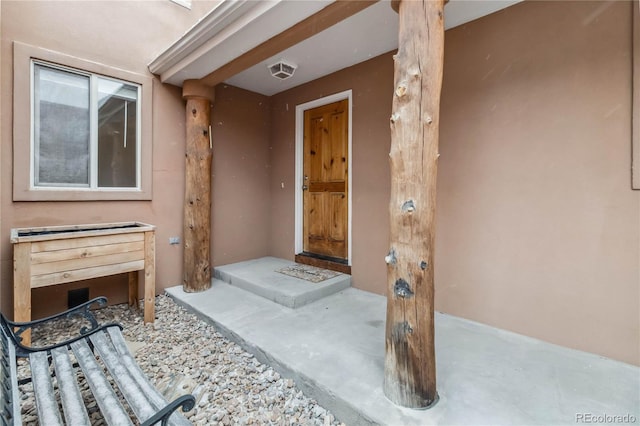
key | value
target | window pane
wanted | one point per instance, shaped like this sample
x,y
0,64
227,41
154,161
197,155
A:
x,y
117,134
61,127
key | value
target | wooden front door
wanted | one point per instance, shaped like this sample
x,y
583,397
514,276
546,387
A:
x,y
326,206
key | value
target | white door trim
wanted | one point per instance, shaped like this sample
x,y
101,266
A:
x,y
300,109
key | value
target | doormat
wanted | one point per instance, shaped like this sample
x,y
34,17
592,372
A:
x,y
309,273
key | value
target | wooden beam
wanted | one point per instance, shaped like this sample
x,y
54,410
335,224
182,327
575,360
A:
x,y
410,370
197,196
325,18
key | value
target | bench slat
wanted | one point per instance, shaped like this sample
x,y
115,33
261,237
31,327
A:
x,y
106,398
43,389
10,403
72,401
141,379
135,396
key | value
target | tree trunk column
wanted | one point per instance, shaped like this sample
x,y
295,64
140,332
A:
x,y
197,193
410,368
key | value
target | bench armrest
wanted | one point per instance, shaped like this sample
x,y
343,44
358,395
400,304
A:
x,y
16,329
187,402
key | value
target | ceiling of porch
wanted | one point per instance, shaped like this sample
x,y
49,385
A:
x,y
236,28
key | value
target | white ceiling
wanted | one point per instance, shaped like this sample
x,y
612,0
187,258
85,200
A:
x,y
370,33
235,26
358,38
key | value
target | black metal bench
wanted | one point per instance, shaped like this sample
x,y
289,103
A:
x,y
95,350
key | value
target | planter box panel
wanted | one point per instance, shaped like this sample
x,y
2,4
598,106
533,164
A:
x,y
85,274
86,262
53,245
84,252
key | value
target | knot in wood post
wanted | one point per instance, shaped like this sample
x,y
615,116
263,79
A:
x,y
390,259
401,90
402,289
408,206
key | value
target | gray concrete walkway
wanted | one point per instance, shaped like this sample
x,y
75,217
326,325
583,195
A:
x,y
334,349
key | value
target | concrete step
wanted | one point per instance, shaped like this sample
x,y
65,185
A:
x,y
260,276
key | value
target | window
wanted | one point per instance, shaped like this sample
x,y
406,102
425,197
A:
x,y
83,131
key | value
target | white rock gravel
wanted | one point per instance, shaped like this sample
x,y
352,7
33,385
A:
x,y
182,354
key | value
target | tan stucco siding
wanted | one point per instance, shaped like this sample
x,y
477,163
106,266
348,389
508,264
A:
x,y
538,229
241,197
126,35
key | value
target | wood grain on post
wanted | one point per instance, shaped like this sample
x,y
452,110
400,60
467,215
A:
x,y
197,201
410,369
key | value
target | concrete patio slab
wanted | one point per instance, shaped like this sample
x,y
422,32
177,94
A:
x,y
334,350
259,276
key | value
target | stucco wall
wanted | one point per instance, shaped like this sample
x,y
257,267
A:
x,y
126,35
538,228
372,86
240,211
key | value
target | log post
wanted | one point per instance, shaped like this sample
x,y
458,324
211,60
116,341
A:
x,y
197,193
410,369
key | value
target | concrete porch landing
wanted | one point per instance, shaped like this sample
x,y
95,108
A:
x,y
334,349
259,276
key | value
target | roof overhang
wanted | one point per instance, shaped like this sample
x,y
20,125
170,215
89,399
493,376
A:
x,y
241,37
232,28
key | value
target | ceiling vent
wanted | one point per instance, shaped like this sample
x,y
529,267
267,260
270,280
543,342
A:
x,y
282,70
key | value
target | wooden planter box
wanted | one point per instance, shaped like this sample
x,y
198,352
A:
x,y
62,254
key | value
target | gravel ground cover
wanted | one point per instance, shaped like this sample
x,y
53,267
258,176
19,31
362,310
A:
x,y
182,354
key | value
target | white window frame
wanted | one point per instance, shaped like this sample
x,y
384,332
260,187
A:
x,y
24,189
93,131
